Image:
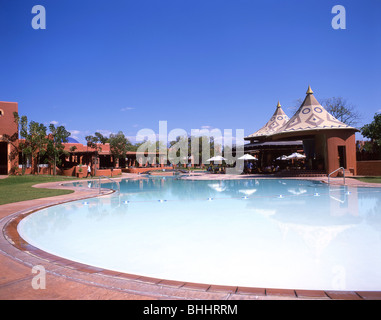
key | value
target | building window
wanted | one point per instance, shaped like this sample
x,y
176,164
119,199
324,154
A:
x,y
1,113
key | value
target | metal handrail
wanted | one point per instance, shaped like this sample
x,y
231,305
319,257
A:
x,y
112,180
341,168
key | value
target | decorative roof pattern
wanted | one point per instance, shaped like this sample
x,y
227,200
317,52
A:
x,y
278,119
311,116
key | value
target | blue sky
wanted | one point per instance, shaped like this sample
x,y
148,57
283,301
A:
x,y
125,65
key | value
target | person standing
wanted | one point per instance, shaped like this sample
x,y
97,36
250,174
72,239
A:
x,y
89,171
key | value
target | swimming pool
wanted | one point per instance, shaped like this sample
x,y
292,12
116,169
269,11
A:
x,y
273,233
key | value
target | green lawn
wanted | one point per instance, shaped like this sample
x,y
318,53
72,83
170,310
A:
x,y
19,188
369,179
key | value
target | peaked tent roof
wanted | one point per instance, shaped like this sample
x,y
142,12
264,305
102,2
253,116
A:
x,y
278,119
311,116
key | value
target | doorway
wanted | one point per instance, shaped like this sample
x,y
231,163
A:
x,y
342,157
3,158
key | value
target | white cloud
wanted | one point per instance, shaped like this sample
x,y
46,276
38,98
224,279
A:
x,y
132,139
55,123
105,133
78,135
127,109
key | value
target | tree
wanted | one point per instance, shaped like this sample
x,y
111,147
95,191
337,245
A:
x,y
36,140
342,110
178,151
119,145
202,148
93,142
55,148
373,130
101,138
134,147
73,148
199,148
22,125
339,108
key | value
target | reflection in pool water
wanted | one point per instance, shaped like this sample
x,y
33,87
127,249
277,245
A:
x,y
263,233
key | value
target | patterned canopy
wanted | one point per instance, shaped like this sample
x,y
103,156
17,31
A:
x,y
311,115
278,119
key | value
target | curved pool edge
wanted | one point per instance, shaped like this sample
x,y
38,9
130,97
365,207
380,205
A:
x,y
349,181
85,278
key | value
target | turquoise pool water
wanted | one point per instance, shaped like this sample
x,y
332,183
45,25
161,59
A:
x,y
262,233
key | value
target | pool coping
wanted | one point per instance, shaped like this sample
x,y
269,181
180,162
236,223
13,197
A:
x,y
131,286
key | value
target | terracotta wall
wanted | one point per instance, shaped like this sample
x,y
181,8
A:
x,y
369,168
108,172
70,172
7,123
336,138
29,170
9,127
99,172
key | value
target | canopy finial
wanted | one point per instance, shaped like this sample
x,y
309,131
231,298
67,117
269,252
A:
x,y
309,90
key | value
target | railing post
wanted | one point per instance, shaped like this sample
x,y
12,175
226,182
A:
x,y
110,180
329,175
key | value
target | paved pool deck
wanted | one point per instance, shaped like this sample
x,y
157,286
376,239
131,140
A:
x,y
68,280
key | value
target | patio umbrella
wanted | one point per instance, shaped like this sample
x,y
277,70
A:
x,y
216,158
247,157
297,191
296,155
219,187
248,192
284,157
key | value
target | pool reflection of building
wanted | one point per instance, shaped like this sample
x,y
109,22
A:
x,y
317,229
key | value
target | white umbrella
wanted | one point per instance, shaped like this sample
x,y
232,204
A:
x,y
297,191
217,186
284,157
248,192
247,157
216,158
296,155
